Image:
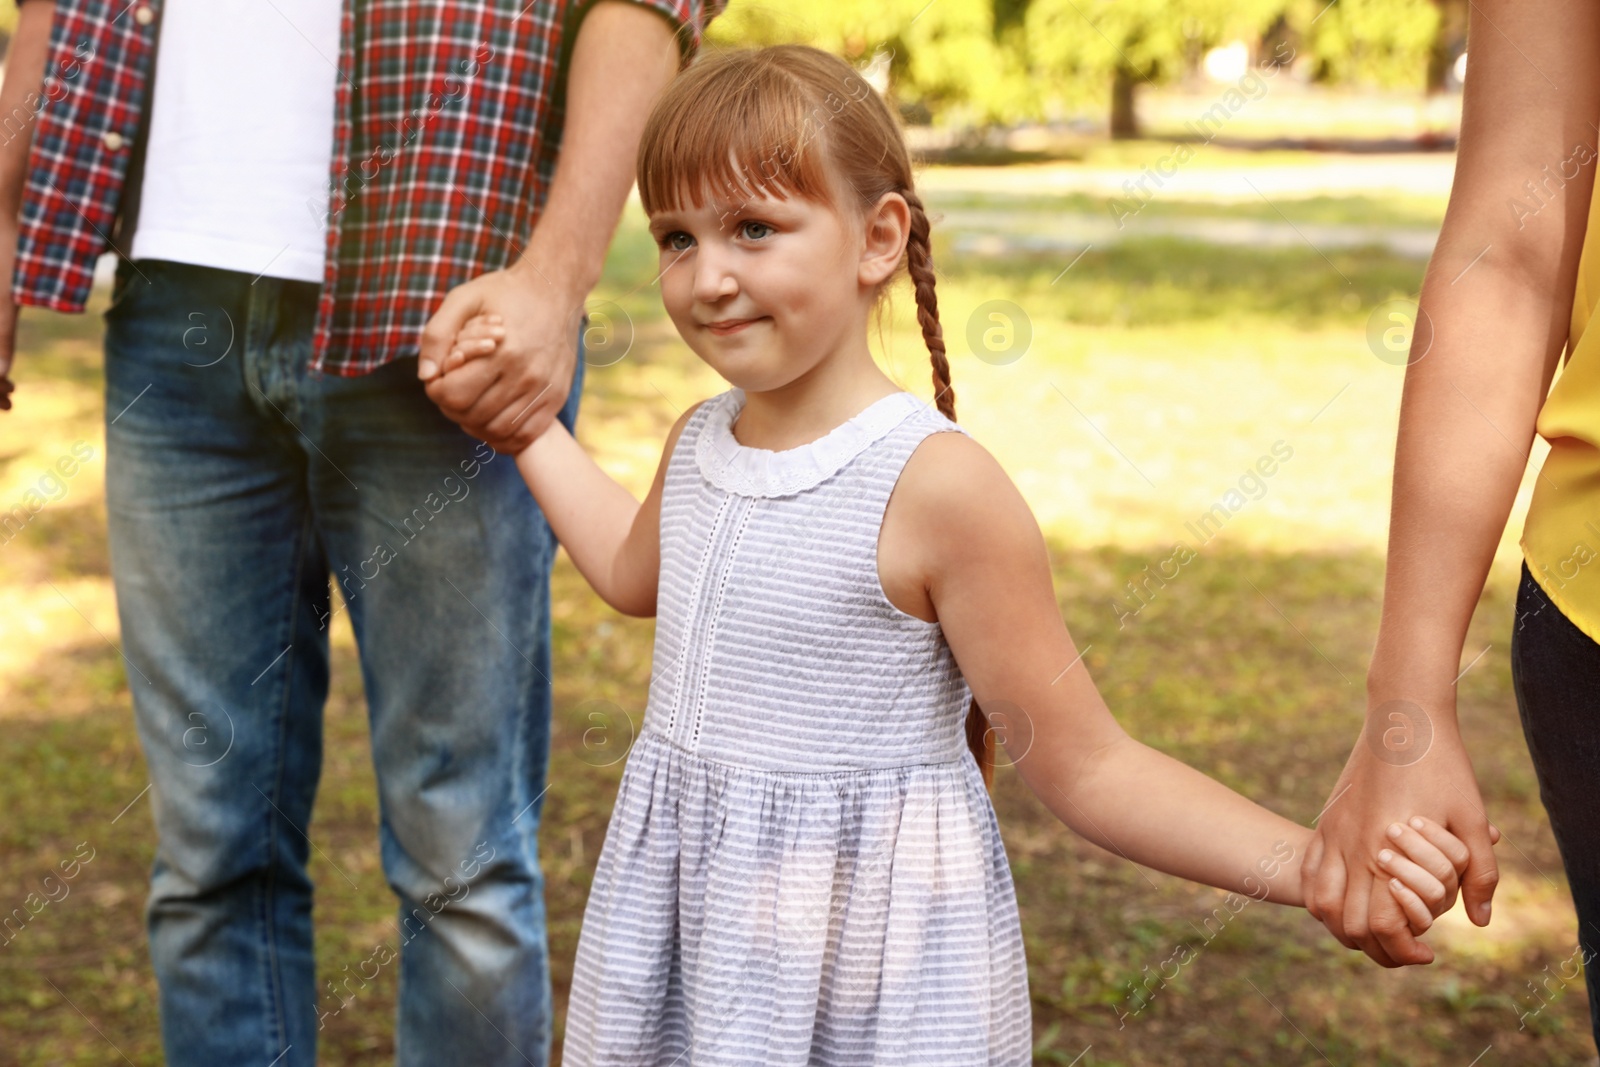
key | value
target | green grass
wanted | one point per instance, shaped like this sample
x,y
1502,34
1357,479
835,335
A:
x,y
1423,212
1159,370
1164,281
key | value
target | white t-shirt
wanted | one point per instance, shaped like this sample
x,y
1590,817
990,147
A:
x,y
241,137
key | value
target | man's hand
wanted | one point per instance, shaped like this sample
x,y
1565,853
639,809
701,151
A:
x,y
509,398
1345,886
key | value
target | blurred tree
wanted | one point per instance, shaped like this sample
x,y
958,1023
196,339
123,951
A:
x,y
946,61
980,62
1373,42
1072,45
8,26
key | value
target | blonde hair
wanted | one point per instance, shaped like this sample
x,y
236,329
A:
x,y
791,119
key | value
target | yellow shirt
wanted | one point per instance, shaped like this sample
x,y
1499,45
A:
x,y
1561,538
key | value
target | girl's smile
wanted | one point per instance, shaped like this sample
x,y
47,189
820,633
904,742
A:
x,y
727,327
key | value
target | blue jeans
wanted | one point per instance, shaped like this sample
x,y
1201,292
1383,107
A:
x,y
236,483
1555,668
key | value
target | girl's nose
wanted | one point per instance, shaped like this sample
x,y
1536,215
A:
x,y
713,276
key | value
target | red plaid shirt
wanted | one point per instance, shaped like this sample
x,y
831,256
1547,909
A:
x,y
448,120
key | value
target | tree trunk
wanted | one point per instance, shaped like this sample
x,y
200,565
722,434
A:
x,y
1124,119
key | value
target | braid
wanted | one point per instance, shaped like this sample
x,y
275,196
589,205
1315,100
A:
x,y
919,262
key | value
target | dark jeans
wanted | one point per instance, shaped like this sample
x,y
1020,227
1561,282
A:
x,y
235,484
1556,670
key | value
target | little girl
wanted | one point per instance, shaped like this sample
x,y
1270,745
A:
x,y
803,865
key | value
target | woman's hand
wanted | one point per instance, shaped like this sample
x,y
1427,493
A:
x,y
1346,884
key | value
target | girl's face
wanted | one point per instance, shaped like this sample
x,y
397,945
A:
x,y
764,289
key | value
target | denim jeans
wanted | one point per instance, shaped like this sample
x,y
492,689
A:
x,y
236,483
1555,668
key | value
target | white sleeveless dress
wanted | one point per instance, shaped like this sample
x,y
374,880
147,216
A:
x,y
803,866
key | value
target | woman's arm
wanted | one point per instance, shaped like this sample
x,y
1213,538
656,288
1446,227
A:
x,y
988,576
613,539
1498,294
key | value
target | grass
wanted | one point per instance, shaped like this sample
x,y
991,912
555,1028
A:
x,y
1424,212
1157,372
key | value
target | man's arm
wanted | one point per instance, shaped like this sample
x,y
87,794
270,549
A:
x,y
624,56
19,107
1498,293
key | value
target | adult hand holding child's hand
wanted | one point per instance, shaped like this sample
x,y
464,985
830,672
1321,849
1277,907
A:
x,y
1346,884
509,397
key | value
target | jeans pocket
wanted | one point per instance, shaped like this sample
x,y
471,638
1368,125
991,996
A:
x,y
130,282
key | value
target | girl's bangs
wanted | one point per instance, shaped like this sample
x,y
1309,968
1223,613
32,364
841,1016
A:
x,y
733,142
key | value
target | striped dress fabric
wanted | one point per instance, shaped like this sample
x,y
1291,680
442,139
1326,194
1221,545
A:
x,y
802,866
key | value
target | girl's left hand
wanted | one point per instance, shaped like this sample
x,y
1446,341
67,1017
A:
x,y
1425,866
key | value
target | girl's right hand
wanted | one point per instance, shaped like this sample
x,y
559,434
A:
x,y
1425,864
476,339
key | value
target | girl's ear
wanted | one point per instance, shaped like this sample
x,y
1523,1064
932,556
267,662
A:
x,y
888,225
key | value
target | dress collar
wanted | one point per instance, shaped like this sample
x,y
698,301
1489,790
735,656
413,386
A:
x,y
737,468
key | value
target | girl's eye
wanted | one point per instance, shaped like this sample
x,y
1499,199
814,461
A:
x,y
667,241
753,222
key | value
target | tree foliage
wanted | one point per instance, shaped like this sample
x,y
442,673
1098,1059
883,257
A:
x,y
973,62
1375,42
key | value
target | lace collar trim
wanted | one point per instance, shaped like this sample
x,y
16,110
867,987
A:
x,y
738,468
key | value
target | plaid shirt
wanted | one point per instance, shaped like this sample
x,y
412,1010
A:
x,y
448,121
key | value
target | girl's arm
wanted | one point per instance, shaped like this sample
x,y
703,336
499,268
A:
x,y
987,574
613,539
